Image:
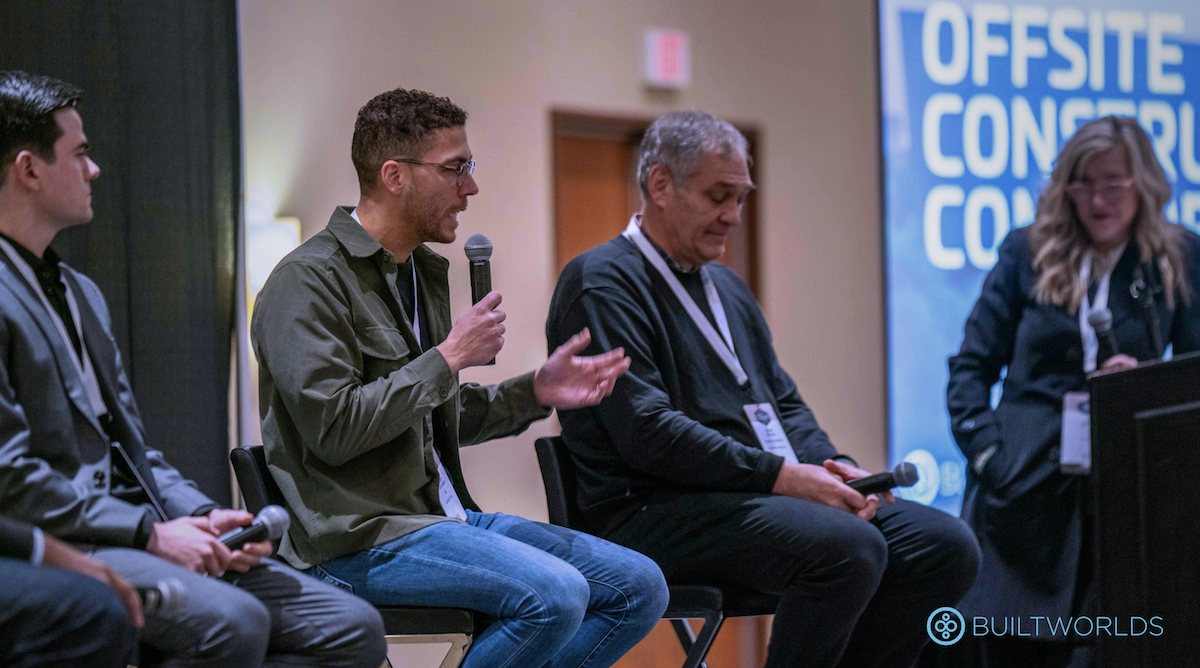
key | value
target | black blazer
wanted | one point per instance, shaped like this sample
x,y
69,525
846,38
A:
x,y
1029,517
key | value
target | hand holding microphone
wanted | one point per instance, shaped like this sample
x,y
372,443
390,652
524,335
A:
x,y
270,524
1101,321
477,335
479,254
249,544
873,486
213,544
824,485
1108,354
904,475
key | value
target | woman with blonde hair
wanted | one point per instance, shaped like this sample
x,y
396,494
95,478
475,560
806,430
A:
x,y
1099,246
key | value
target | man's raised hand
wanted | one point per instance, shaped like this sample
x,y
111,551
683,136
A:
x,y
567,380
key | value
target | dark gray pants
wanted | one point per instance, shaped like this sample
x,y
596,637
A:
x,y
52,617
853,593
274,616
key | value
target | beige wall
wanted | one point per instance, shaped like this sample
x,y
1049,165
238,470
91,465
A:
x,y
803,72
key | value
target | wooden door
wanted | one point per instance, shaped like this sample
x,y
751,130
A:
x,y
594,195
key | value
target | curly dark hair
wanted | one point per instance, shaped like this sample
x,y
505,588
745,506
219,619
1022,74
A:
x,y
27,106
398,123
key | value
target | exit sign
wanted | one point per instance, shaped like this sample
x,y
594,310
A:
x,y
668,59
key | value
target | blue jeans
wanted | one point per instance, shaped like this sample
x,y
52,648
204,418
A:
x,y
560,598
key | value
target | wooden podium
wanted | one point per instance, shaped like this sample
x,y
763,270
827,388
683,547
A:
x,y
1146,469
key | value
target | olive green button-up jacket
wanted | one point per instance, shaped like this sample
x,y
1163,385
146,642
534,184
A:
x,y
351,405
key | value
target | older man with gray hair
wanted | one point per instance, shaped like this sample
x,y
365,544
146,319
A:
x,y
706,459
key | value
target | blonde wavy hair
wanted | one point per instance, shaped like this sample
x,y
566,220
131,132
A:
x,y
1058,239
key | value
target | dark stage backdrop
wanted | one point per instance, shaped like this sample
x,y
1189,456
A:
x,y
161,110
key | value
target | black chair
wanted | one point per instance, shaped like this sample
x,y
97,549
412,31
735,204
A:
x,y
401,625
711,603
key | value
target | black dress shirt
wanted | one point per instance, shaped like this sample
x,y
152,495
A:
x,y
49,276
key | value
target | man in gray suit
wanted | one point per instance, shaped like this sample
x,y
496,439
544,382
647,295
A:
x,y
73,457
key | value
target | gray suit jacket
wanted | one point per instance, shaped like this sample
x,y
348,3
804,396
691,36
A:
x,y
55,462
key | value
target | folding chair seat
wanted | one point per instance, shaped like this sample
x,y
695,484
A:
x,y
711,603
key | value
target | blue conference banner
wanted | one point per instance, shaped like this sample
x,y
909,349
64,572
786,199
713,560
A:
x,y
978,99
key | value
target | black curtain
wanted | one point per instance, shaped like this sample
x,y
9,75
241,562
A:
x,y
162,113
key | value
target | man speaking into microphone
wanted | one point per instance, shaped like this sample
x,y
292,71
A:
x,y
706,459
363,415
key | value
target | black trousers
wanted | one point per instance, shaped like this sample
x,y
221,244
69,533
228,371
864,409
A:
x,y
853,593
51,617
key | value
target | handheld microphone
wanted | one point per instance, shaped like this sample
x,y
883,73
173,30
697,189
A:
x,y
1101,321
270,524
166,598
904,475
479,253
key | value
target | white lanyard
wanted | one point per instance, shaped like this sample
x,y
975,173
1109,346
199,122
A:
x,y
416,314
1091,344
87,374
722,344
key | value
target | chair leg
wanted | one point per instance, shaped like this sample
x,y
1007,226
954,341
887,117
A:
x,y
696,646
684,632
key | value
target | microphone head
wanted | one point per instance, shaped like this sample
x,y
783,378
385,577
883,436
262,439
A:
x,y
478,247
905,474
1100,319
174,596
166,598
275,519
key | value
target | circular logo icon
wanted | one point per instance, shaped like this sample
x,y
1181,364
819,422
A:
x,y
926,489
945,626
762,416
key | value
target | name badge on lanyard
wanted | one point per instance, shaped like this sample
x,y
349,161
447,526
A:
x,y
1075,448
769,431
451,504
